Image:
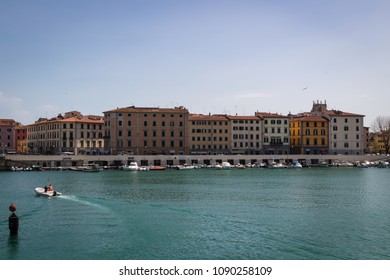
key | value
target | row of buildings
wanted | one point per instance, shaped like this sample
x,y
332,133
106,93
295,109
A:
x,y
176,131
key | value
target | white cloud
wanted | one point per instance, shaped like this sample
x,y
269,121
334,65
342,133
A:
x,y
9,101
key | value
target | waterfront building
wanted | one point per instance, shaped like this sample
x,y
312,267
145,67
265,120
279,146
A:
x,y
366,139
245,134
276,133
377,143
146,130
209,134
21,139
72,133
346,130
7,136
309,135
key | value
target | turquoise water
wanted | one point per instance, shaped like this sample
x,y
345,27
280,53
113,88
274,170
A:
x,y
330,213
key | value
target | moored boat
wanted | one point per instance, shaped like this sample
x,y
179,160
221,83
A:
x,y
156,168
226,165
133,166
296,164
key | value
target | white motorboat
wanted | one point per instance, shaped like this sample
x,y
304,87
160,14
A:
x,y
226,165
42,192
185,167
133,166
296,164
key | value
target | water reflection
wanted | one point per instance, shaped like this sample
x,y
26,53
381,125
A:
x,y
13,247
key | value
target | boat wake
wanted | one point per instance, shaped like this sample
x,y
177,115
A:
x,y
77,199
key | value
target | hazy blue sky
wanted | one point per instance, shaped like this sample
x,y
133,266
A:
x,y
209,56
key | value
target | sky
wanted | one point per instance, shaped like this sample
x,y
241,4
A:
x,y
219,57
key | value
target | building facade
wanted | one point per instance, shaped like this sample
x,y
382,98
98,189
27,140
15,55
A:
x,y
309,135
146,130
7,136
276,133
21,139
72,133
246,134
346,130
209,134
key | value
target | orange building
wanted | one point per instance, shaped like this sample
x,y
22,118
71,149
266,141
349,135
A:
x,y
309,135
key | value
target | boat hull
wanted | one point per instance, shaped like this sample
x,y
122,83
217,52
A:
x,y
41,192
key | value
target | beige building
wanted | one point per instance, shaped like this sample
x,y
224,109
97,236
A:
x,y
346,130
209,134
245,134
146,130
276,133
72,133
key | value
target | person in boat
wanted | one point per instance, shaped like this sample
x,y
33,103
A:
x,y
45,189
50,188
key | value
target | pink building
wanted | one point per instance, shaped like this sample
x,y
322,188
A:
x,y
7,136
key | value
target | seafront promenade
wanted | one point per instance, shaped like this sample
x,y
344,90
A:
x,y
55,161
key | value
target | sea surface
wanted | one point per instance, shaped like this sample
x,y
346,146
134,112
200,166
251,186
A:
x,y
306,214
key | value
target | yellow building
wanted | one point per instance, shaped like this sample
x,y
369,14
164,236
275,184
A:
x,y
309,135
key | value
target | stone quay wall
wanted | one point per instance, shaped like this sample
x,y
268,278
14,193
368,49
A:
x,y
54,161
